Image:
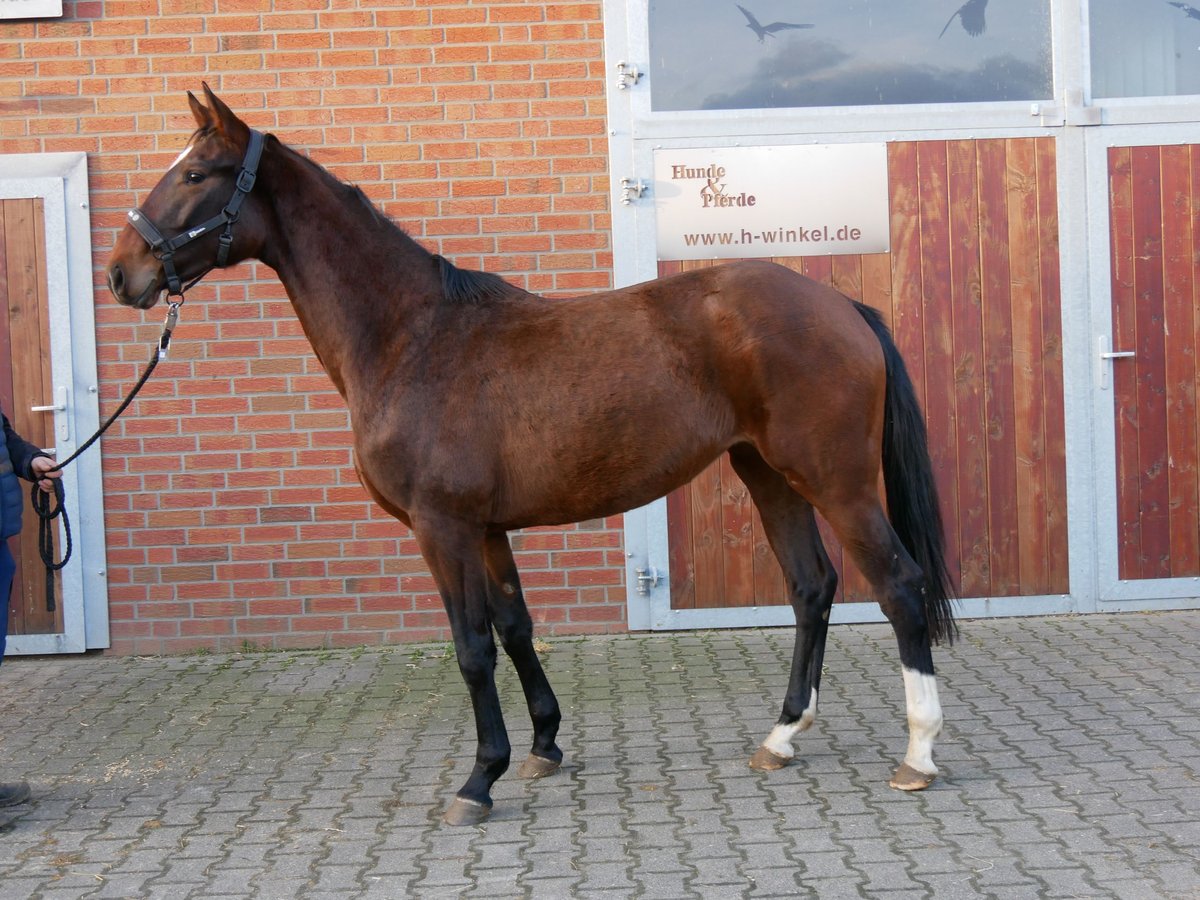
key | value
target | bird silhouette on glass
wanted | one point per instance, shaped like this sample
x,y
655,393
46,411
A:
x,y
1190,11
767,30
971,16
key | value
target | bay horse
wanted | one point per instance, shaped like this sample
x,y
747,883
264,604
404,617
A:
x,y
478,408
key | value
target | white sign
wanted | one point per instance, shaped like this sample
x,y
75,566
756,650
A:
x,y
30,9
737,202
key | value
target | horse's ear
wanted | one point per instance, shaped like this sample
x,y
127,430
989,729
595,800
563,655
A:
x,y
199,112
224,119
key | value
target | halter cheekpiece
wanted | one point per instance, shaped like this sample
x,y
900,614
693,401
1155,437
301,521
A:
x,y
164,248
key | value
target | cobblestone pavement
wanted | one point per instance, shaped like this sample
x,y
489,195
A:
x,y
1070,758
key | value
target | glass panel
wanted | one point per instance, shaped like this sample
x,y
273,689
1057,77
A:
x,y
1144,49
716,54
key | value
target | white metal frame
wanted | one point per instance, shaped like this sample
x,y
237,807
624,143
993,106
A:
x,y
636,131
60,180
1113,592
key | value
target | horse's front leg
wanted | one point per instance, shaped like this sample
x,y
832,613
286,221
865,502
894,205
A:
x,y
455,554
506,606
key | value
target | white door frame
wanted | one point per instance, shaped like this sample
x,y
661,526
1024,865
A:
x,y
646,538
1113,592
60,181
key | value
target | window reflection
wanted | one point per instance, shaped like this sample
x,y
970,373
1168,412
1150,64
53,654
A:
x,y
717,54
1145,48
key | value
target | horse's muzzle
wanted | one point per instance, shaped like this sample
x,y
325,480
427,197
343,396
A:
x,y
119,285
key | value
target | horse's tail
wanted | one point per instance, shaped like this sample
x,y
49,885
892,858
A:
x,y
908,477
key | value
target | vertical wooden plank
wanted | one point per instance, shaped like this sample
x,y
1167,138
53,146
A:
x,y
708,563
1194,499
1124,337
769,586
846,275
906,322
6,389
1195,165
967,349
1058,568
877,283
1150,362
681,551
737,537
707,546
28,327
6,386
998,381
41,619
679,548
1028,420
1180,361
819,268
876,293
937,317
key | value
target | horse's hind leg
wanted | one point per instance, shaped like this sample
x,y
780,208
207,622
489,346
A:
x,y
899,586
506,603
811,583
455,554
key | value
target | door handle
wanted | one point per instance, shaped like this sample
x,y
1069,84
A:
x,y
1104,370
63,422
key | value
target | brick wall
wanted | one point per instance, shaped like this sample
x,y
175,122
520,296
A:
x,y
233,514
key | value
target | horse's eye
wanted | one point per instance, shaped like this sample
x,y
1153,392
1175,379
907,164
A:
x,y
194,177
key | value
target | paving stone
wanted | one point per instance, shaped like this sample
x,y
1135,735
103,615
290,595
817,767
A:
x,y
1068,762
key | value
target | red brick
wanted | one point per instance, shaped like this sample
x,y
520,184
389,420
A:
x,y
434,110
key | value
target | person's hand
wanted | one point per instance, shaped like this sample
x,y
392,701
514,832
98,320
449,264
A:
x,y
41,466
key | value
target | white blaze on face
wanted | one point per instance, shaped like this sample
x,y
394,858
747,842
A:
x,y
924,719
779,741
179,158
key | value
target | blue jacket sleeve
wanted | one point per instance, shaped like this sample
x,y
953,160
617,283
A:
x,y
20,451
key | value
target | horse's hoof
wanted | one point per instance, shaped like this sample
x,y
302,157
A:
x,y
909,779
466,812
538,766
767,760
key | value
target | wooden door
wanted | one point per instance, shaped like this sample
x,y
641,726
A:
x,y
25,381
1154,225
971,291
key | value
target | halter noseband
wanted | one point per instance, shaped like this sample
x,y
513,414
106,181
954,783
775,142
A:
x,y
164,248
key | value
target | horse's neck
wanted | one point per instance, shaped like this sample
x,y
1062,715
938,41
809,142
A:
x,y
357,284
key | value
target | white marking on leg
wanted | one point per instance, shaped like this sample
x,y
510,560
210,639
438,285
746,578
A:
x,y
924,719
779,741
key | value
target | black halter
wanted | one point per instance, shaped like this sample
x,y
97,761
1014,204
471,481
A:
x,y
164,248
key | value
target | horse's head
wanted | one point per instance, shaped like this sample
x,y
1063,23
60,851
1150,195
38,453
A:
x,y
187,224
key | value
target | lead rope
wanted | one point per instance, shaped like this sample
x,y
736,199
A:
x,y
41,500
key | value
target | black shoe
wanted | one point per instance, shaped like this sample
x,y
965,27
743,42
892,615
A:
x,y
14,794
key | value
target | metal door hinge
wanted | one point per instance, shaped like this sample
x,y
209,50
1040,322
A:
x,y
632,189
647,578
627,75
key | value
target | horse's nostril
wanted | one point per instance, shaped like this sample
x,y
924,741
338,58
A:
x,y
116,280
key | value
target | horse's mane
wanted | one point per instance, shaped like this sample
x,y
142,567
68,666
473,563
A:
x,y
471,286
464,286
